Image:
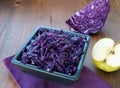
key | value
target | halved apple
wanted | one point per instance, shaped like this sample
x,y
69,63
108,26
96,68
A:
x,y
106,55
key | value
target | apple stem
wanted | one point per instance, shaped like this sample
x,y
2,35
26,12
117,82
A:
x,y
118,42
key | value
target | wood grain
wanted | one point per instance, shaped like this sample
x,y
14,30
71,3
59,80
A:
x,y
18,18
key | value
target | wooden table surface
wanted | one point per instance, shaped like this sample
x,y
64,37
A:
x,y
18,18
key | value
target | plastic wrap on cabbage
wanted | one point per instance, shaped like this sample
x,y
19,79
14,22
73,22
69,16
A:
x,y
54,50
91,18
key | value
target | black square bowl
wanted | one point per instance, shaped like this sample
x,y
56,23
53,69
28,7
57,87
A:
x,y
51,76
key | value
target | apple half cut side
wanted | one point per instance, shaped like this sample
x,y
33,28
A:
x,y
106,55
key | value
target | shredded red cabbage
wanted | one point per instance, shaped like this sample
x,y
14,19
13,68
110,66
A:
x,y
54,50
91,18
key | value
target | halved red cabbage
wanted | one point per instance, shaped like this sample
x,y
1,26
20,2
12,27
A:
x,y
91,18
54,50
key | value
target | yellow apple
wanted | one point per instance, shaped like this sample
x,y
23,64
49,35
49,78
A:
x,y
106,55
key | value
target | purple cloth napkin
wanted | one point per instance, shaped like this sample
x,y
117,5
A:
x,y
88,79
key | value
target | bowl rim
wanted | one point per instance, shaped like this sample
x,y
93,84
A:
x,y
54,73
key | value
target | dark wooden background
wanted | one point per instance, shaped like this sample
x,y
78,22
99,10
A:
x,y
18,18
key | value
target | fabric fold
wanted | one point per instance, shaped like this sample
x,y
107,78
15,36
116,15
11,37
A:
x,y
88,79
